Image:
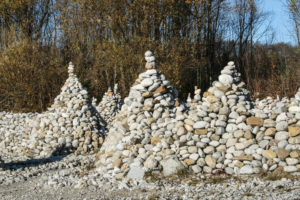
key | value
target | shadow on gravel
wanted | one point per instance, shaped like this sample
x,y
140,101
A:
x,y
34,162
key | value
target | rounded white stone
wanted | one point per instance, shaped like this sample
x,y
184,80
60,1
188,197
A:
x,y
200,125
226,79
148,53
147,82
150,59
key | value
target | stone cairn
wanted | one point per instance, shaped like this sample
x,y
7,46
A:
x,y
225,131
277,136
141,136
70,124
212,121
110,105
221,131
237,137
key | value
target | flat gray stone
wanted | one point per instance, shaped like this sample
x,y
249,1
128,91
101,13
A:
x,y
247,169
136,173
171,165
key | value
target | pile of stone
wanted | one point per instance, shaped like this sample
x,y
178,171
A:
x,y
223,131
212,122
14,131
190,102
237,137
70,124
277,138
144,135
110,105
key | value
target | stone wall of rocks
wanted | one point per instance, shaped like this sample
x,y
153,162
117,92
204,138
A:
x,y
70,124
153,131
223,131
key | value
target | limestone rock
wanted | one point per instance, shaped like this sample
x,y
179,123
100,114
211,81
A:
x,y
255,121
269,154
136,173
210,161
282,154
171,165
270,132
294,130
247,169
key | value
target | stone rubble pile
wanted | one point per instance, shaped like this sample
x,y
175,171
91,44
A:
x,y
230,134
71,123
212,121
220,131
223,131
110,105
277,138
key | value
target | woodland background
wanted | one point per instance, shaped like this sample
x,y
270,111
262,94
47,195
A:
x,y
106,40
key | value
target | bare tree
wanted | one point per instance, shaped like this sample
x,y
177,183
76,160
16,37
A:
x,y
294,11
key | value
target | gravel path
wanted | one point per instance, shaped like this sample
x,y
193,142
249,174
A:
x,y
33,190
71,177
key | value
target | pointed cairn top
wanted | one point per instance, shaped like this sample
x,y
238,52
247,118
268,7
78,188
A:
x,y
71,69
189,99
197,96
116,88
231,63
94,101
150,60
226,77
109,92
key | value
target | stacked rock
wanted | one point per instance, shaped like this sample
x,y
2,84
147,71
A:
x,y
197,96
221,132
295,105
13,133
189,100
278,142
217,124
71,123
110,105
94,102
150,60
153,131
83,130
144,132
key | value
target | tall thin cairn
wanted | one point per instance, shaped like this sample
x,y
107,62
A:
x,y
141,135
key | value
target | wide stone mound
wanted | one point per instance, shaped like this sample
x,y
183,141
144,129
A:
x,y
223,132
278,138
240,136
216,123
70,124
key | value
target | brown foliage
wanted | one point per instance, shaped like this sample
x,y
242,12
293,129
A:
x,y
106,41
31,76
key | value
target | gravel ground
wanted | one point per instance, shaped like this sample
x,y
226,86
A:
x,y
72,177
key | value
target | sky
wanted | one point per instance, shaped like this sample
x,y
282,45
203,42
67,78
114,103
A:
x,y
280,21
